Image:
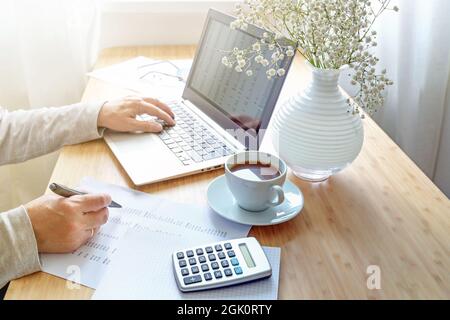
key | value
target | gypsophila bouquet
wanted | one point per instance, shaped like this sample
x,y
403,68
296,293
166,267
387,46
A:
x,y
330,34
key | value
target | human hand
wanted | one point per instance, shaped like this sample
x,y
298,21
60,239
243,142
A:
x,y
64,224
120,115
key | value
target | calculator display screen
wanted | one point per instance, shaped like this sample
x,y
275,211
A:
x,y
247,256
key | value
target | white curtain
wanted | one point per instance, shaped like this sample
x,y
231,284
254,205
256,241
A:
x,y
414,46
46,48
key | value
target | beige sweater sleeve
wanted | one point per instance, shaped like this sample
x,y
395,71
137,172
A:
x,y
25,135
32,133
18,248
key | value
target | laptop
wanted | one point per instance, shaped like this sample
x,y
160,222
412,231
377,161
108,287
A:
x,y
221,112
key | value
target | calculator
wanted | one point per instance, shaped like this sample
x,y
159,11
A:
x,y
220,264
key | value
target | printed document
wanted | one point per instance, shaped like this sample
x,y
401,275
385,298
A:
x,y
143,270
140,211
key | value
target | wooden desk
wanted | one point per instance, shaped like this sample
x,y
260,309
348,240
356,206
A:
x,y
382,210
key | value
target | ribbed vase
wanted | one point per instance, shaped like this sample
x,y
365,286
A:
x,y
314,132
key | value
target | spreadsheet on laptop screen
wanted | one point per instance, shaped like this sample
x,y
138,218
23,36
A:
x,y
241,97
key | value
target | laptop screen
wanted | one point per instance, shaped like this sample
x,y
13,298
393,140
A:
x,y
244,99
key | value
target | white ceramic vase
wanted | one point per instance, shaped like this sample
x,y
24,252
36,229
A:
x,y
314,132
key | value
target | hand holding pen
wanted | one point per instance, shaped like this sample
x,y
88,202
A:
x,y
64,223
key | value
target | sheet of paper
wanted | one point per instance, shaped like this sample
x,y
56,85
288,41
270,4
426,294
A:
x,y
140,211
143,269
156,78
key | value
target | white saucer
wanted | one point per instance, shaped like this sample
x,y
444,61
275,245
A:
x,y
223,203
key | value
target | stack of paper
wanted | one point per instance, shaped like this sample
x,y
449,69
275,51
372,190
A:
x,y
140,212
143,270
130,258
157,78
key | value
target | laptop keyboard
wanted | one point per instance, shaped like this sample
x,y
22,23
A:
x,y
190,140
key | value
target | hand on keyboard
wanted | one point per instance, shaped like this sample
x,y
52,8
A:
x,y
120,115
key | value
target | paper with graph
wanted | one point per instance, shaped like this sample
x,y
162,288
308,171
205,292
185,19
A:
x,y
140,211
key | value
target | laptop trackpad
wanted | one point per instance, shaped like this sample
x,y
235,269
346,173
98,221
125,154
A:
x,y
144,156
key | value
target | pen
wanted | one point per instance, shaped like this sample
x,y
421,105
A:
x,y
66,192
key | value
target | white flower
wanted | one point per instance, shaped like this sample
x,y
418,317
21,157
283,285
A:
x,y
256,46
281,72
249,73
271,72
290,52
325,32
225,60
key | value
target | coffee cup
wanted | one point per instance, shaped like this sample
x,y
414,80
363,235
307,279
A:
x,y
256,179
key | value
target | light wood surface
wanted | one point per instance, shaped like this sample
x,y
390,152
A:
x,y
382,211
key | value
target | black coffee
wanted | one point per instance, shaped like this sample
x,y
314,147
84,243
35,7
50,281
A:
x,y
255,171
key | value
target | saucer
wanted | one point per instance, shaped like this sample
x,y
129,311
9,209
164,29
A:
x,y
223,203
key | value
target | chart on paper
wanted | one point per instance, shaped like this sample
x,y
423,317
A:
x,y
139,212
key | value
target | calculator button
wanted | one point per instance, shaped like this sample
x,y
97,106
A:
x,y
215,265
205,267
218,247
202,259
207,276
228,272
199,251
224,263
190,253
234,262
237,270
194,269
192,279
231,254
227,246
212,257
221,255
182,263
209,249
217,274
184,272
180,255
192,261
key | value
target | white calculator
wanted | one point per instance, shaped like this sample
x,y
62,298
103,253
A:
x,y
220,264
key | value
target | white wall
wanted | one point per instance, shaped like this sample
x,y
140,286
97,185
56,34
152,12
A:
x,y
153,22
442,172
